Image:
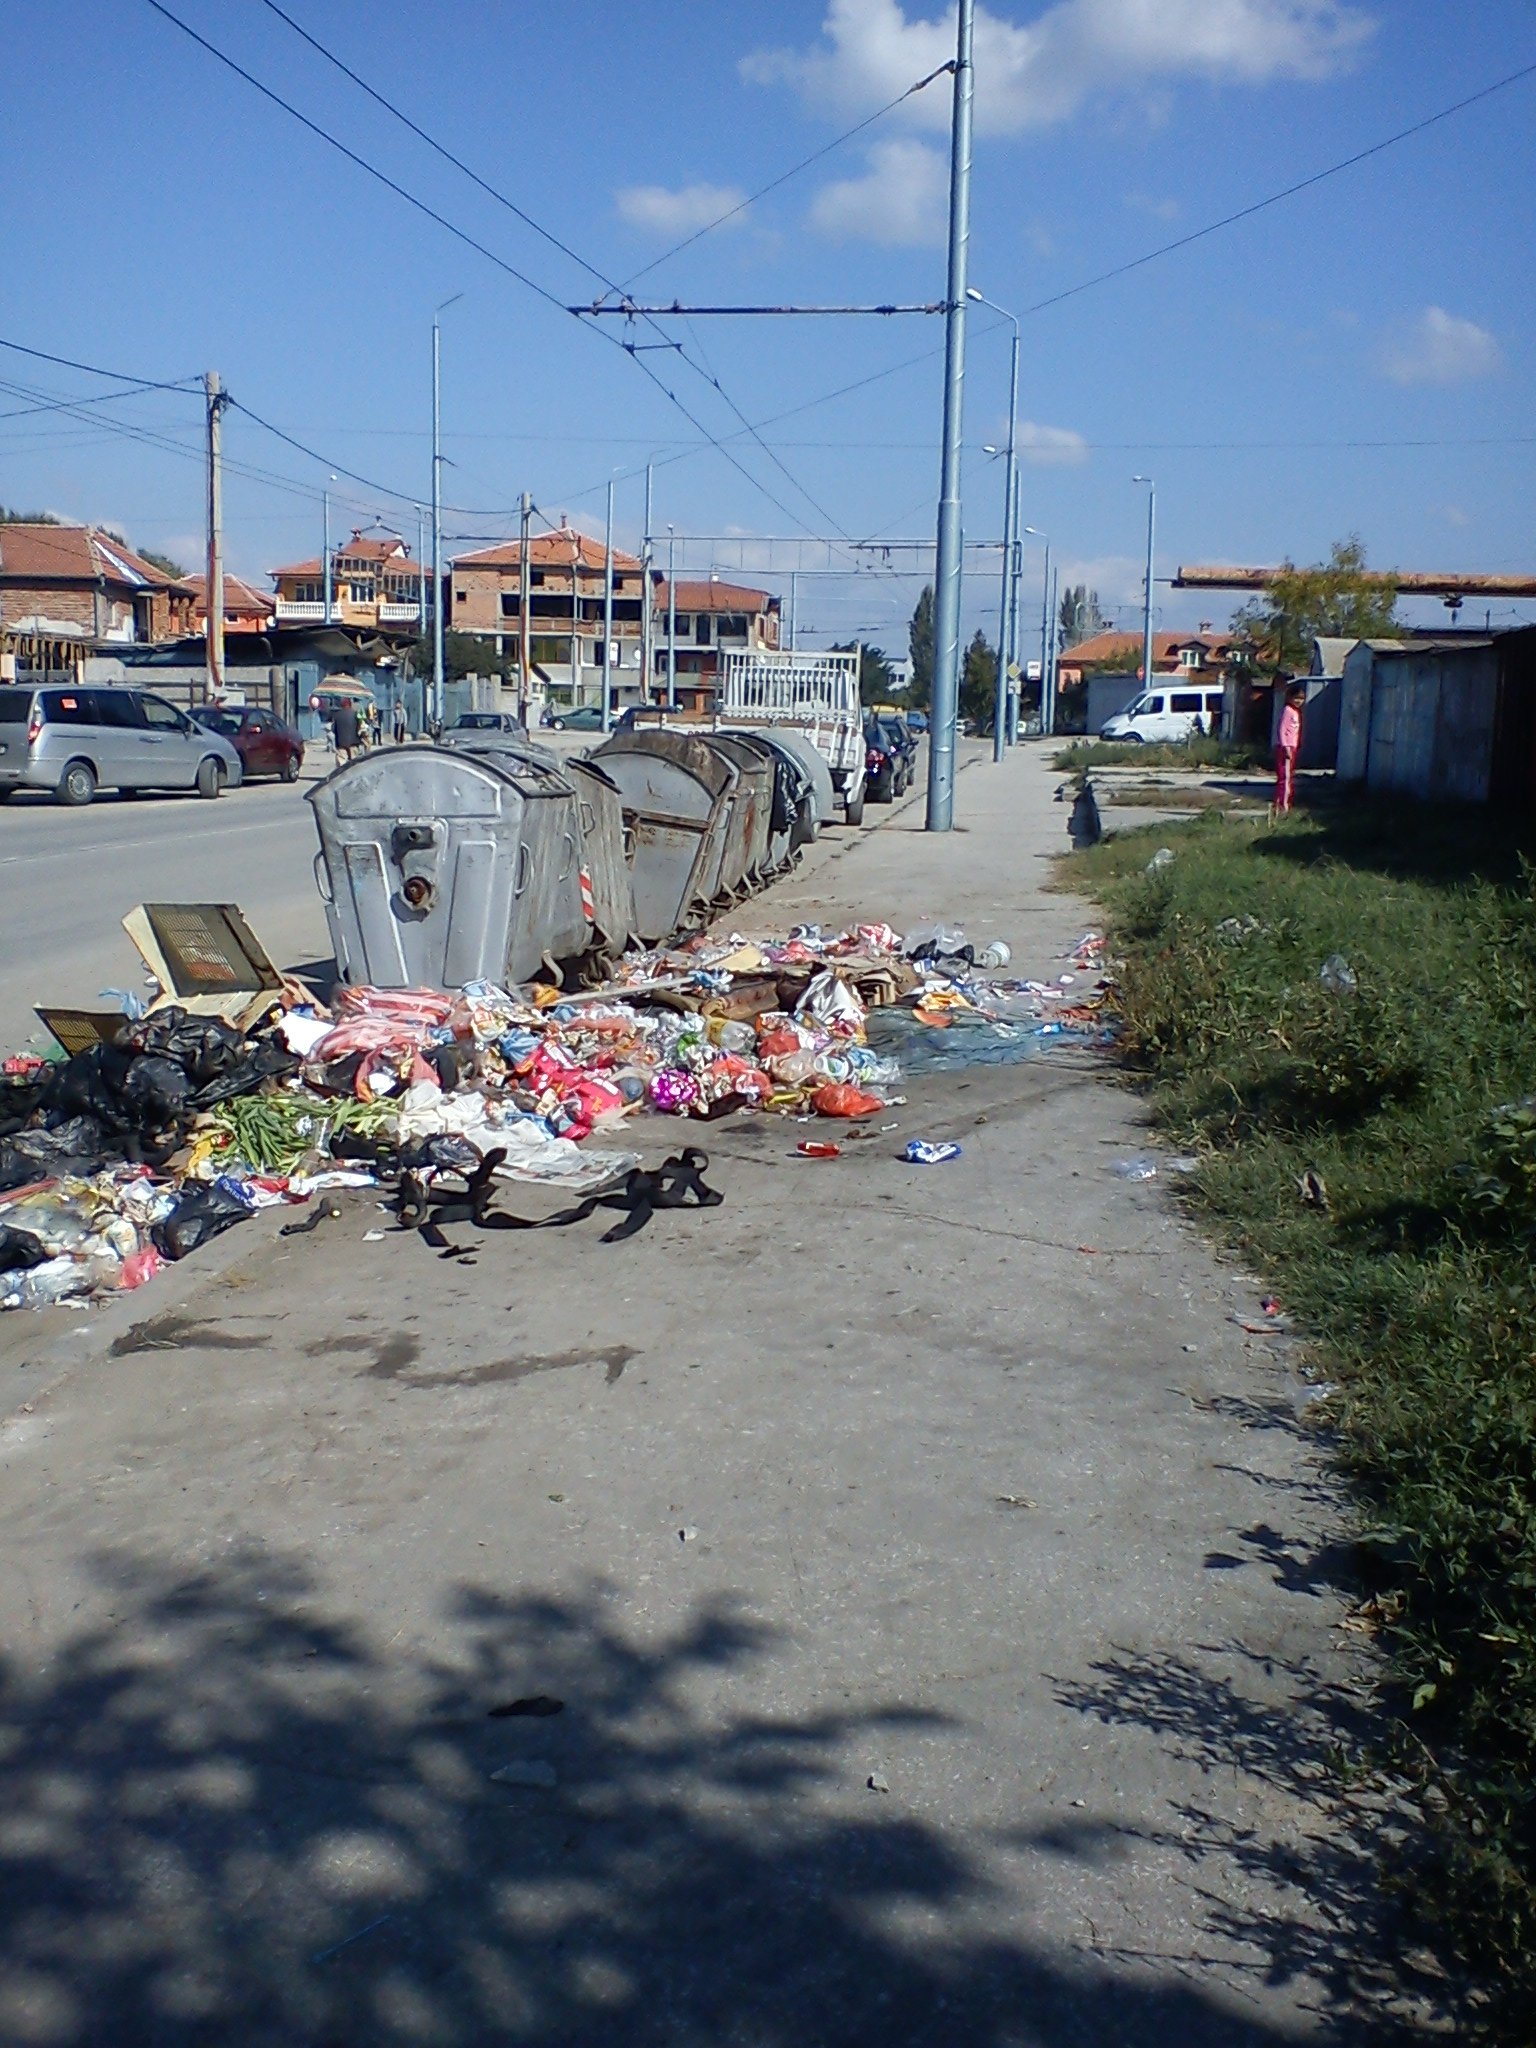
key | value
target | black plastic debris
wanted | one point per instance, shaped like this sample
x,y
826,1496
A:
x,y
202,1212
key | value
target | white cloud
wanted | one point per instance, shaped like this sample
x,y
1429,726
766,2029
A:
x,y
1056,446
1454,516
1159,209
680,212
1439,348
1033,76
901,198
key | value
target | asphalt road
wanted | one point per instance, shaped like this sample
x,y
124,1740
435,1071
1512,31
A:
x,y
935,1570
68,877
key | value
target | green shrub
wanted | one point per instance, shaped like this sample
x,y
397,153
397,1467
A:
x,y
1411,1098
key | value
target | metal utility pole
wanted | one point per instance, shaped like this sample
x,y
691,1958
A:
x,y
437,510
421,574
1045,614
794,608
1015,639
326,554
608,615
945,704
524,610
1004,647
1146,613
1055,639
671,620
648,605
213,609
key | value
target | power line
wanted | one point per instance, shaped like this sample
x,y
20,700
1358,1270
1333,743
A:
x,y
42,355
1289,192
629,349
784,176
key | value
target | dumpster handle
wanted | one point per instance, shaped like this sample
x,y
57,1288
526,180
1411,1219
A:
x,y
323,880
570,840
524,863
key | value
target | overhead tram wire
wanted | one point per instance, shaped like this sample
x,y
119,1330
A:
x,y
703,369
480,248
42,355
1180,242
784,176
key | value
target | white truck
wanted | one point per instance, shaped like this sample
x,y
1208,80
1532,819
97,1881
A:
x,y
816,693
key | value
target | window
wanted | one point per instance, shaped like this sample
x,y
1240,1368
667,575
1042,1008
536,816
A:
x,y
1191,657
362,590
1150,704
536,577
69,707
701,629
160,716
15,707
509,604
119,709
1186,700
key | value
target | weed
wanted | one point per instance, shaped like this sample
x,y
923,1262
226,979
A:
x,y
1197,752
1412,1095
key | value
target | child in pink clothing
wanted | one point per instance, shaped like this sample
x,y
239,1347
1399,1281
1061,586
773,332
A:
x,y
1287,747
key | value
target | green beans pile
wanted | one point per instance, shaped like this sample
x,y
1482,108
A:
x,y
274,1133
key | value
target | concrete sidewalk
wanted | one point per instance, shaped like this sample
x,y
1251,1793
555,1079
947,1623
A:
x,y
940,1587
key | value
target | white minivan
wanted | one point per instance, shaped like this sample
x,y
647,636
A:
x,y
1167,714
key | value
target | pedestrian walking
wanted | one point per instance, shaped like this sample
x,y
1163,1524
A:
x,y
1287,747
345,729
400,727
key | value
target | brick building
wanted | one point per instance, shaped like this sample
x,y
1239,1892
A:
x,y
246,609
78,583
567,572
376,583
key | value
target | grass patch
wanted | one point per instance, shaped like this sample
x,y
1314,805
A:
x,y
1407,1095
1192,753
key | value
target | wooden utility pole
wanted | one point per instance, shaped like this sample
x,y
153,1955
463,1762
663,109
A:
x,y
213,608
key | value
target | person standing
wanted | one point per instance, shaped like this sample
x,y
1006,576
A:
x,y
399,724
345,728
1287,747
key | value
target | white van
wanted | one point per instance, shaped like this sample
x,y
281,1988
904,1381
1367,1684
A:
x,y
1167,715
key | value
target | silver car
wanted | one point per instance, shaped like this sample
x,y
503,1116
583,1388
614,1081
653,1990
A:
x,y
76,741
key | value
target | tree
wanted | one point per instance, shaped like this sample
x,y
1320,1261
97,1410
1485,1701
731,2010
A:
x,y
10,516
1080,614
978,683
164,563
920,646
464,654
1340,598
877,679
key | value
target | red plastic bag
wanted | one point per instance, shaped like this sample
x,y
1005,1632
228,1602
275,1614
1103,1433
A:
x,y
841,1098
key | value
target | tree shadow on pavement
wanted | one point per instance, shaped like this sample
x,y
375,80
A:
x,y
231,1821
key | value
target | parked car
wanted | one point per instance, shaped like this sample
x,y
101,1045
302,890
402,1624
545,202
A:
x,y
474,725
586,718
73,742
266,745
1167,715
918,721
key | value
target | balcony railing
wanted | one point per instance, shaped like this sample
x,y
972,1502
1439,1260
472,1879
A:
x,y
297,608
399,614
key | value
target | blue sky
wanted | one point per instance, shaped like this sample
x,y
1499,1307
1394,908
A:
x,y
1355,359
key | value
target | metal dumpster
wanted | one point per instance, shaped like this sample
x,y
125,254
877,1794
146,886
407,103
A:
x,y
603,864
793,745
745,866
440,867
786,795
676,796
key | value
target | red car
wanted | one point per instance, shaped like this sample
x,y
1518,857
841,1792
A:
x,y
265,745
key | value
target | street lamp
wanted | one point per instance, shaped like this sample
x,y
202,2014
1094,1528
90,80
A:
x,y
671,618
1047,636
437,511
1146,613
327,522
1005,648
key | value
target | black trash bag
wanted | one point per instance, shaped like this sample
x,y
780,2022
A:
x,y
21,1095
201,1213
203,1047
73,1145
91,1084
1084,828
156,1093
20,1251
256,1065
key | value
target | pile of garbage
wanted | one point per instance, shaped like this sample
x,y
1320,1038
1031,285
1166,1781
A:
x,y
143,1145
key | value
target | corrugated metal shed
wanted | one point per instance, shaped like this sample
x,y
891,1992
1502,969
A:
x,y
1452,720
